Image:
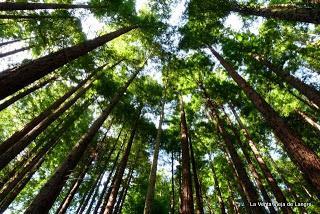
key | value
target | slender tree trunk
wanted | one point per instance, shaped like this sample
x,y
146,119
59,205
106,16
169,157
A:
x,y
172,184
310,92
309,120
15,79
233,202
217,188
14,193
196,182
121,168
15,51
277,192
4,146
94,195
153,172
86,198
48,193
24,93
187,197
9,42
12,6
34,16
122,194
105,186
286,12
73,190
20,145
304,101
306,159
248,187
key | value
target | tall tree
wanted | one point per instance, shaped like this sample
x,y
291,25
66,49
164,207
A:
x,y
12,6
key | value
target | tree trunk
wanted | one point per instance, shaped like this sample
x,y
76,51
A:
x,y
116,182
310,92
282,12
86,198
187,197
172,184
14,51
217,188
12,6
73,190
35,16
105,186
309,120
14,79
197,185
306,159
9,42
277,192
20,145
233,202
153,172
14,193
122,194
248,187
24,93
94,195
4,146
49,192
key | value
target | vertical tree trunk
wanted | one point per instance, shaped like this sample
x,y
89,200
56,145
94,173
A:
x,y
48,193
153,172
248,187
73,190
282,12
15,51
277,192
122,194
217,188
233,202
22,94
122,166
196,182
15,79
12,6
306,159
309,120
172,184
310,92
187,197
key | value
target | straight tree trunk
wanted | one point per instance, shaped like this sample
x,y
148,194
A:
x,y
282,12
248,187
309,120
12,6
196,182
233,202
24,93
20,145
172,184
9,42
116,182
306,159
217,188
310,92
186,193
49,192
15,79
153,172
105,186
85,200
277,192
94,195
122,194
73,190
15,51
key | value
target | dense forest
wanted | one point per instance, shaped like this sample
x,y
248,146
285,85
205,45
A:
x,y
146,106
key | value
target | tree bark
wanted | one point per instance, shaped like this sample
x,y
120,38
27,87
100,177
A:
x,y
14,51
310,92
24,93
12,6
216,187
116,182
309,120
73,190
172,184
282,12
306,159
153,172
196,182
186,193
14,79
248,187
48,193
